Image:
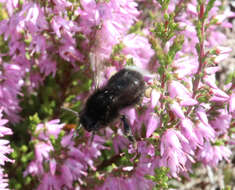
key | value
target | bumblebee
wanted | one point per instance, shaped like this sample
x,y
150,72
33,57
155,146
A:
x,y
124,89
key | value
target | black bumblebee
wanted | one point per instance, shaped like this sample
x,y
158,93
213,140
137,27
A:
x,y
124,89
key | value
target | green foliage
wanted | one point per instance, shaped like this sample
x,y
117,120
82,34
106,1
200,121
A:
x,y
228,177
4,48
230,78
160,178
56,143
164,4
117,48
219,142
166,30
23,153
175,47
137,27
208,8
3,13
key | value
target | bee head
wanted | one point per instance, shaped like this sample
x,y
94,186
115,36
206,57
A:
x,y
88,123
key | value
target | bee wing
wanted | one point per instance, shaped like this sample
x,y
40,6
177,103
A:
x,y
97,66
94,66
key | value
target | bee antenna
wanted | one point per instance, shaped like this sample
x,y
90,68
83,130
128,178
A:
x,y
70,110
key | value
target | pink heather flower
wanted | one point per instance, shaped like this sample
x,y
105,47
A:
x,y
53,166
219,95
211,155
138,181
10,85
191,38
201,114
89,16
10,5
47,66
175,152
232,140
150,120
232,103
138,122
69,53
42,151
126,10
185,20
187,129
211,70
49,181
223,50
70,165
32,20
60,5
4,130
65,30
221,123
218,99
3,180
171,7
228,86
38,45
49,128
192,8
145,149
35,81
30,17
221,57
106,38
131,114
214,34
63,27
176,89
185,66
152,125
4,150
210,80
137,48
155,96
115,183
119,143
179,91
176,109
32,14
114,18
204,132
222,18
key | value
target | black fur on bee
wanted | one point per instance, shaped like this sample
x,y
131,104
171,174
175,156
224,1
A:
x,y
124,89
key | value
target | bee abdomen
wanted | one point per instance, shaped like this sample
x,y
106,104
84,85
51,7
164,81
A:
x,y
127,86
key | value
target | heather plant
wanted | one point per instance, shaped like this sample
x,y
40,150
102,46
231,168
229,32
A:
x,y
55,53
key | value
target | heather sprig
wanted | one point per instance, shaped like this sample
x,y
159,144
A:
x,y
55,53
5,150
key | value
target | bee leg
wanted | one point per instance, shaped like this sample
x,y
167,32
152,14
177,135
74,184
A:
x,y
127,129
92,137
76,132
